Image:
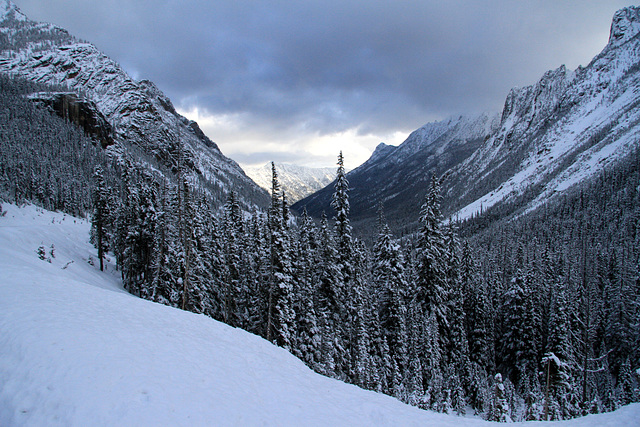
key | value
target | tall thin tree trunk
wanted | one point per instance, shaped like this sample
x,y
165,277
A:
x,y
587,323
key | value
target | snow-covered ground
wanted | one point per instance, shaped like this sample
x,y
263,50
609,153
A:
x,y
75,349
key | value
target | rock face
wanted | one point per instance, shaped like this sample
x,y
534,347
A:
x,y
557,132
79,111
139,113
561,130
297,181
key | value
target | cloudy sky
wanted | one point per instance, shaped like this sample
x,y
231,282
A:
x,y
297,81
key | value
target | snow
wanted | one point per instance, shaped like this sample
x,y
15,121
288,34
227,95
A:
x,y
297,181
143,116
76,349
7,9
613,90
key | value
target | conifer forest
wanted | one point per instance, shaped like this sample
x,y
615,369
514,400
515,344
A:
x,y
526,317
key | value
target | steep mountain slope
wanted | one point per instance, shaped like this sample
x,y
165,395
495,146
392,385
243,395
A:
x,y
561,130
398,177
76,349
297,181
139,113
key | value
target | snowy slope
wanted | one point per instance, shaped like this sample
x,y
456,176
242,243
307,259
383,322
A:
x,y
297,181
562,130
77,350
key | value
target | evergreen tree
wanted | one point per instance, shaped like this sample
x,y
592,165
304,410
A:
x,y
561,360
307,322
500,411
390,285
329,302
432,295
233,257
340,203
280,328
520,342
164,287
100,216
457,351
432,286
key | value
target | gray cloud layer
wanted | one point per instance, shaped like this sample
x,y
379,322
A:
x,y
321,67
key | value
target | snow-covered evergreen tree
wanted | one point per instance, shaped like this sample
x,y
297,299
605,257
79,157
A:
x,y
500,411
390,286
100,216
280,327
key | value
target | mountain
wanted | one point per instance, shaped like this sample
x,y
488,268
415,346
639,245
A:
x,y
562,130
140,117
77,349
297,181
398,177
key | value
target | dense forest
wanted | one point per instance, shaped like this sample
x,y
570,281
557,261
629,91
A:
x,y
529,317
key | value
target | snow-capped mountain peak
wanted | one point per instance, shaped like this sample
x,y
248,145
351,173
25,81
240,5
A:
x,y
9,11
561,130
297,181
625,26
141,116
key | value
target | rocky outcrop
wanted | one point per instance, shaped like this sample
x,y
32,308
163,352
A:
x,y
79,111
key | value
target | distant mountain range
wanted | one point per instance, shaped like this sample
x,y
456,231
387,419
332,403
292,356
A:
x,y
142,120
557,132
297,181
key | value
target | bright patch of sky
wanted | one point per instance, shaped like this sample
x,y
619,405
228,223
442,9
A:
x,y
255,147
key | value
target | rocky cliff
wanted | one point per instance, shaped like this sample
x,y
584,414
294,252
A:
x,y
82,112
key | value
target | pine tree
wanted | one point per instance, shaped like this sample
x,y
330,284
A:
x,y
560,358
520,341
390,285
329,303
307,322
164,287
330,276
432,295
457,351
432,286
361,364
100,216
280,328
340,203
500,411
259,282
233,258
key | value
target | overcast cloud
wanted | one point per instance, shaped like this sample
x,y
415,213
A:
x,y
297,81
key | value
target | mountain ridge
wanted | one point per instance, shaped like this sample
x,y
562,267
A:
x,y
296,181
140,114
562,129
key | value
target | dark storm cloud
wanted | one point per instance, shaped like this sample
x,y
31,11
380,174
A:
x,y
329,66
